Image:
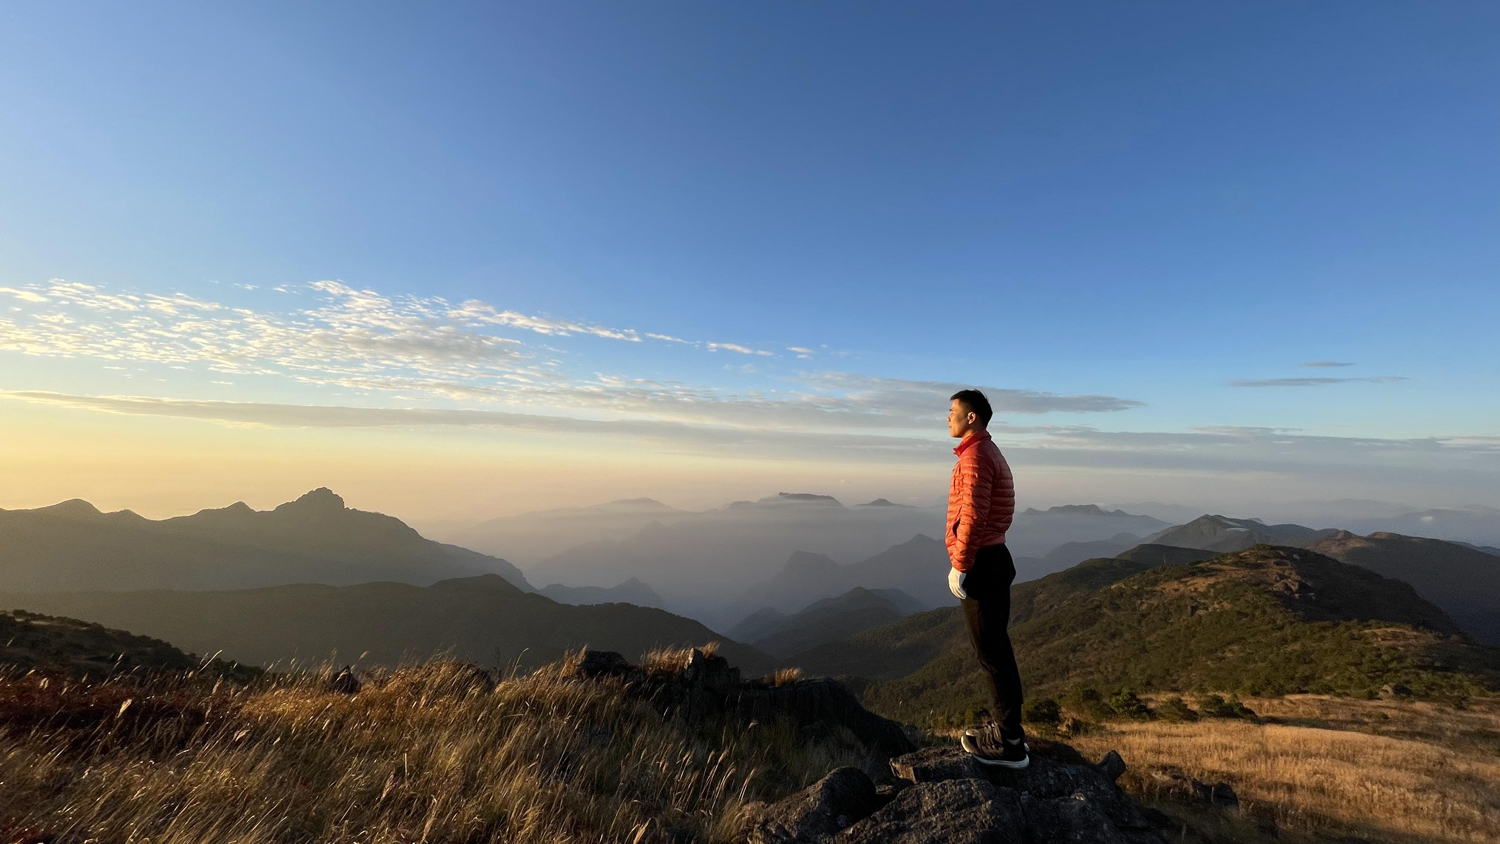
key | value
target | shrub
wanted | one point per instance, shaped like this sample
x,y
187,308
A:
x,y
1044,711
1087,702
1175,708
1127,704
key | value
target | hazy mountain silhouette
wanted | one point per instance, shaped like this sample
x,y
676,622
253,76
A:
x,y
1464,581
1473,525
917,567
631,591
701,563
834,618
315,539
531,537
482,619
1036,533
1071,554
1221,533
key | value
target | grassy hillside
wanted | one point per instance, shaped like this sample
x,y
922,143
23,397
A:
x,y
1262,621
540,758
31,642
1464,581
1323,768
483,619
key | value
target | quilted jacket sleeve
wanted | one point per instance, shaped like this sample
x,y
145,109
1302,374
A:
x,y
976,481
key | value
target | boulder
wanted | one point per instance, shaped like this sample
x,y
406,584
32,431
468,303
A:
x,y
706,685
1174,783
593,664
830,805
345,682
961,811
1069,819
807,702
1112,766
1061,797
935,764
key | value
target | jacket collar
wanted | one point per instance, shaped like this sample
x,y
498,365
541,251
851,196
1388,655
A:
x,y
971,438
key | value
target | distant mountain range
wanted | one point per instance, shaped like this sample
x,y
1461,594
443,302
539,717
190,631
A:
x,y
532,537
315,539
702,564
918,568
631,591
827,620
785,550
1221,533
484,619
1473,525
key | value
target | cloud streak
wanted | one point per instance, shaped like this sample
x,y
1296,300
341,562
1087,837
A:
x,y
1314,382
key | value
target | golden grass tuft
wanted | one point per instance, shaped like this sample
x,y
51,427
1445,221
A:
x,y
786,676
1384,770
414,756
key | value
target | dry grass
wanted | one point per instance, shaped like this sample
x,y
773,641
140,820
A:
x,y
786,676
540,758
1384,770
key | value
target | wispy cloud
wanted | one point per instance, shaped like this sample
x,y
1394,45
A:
x,y
430,350
916,400
735,347
24,295
1314,382
1324,363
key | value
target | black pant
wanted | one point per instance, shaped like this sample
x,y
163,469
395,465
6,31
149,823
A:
x,y
987,610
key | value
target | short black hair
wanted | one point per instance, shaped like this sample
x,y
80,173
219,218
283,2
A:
x,y
976,403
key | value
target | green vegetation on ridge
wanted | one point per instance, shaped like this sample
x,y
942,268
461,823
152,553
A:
x,y
1266,620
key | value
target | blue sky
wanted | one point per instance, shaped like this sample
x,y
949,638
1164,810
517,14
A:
x,y
1144,219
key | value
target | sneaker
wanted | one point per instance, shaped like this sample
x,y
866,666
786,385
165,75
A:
x,y
975,732
988,748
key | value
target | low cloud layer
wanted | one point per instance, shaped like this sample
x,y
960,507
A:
x,y
1264,452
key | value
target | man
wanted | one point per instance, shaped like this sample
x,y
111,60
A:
x,y
981,502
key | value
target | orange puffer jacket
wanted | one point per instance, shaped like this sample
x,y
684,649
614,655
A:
x,y
981,499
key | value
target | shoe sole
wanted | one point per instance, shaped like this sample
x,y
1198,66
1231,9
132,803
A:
x,y
999,763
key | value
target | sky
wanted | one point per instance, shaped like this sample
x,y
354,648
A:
x,y
464,260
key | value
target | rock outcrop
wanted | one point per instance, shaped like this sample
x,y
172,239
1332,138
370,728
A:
x,y
947,798
706,685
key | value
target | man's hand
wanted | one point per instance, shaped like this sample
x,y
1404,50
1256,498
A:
x,y
956,583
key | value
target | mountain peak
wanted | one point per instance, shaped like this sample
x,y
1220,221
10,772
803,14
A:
x,y
320,499
880,502
806,496
73,508
808,560
1075,510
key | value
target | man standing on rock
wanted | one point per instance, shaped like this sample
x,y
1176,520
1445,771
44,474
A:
x,y
981,502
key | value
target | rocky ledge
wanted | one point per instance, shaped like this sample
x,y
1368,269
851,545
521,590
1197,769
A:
x,y
941,795
707,685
